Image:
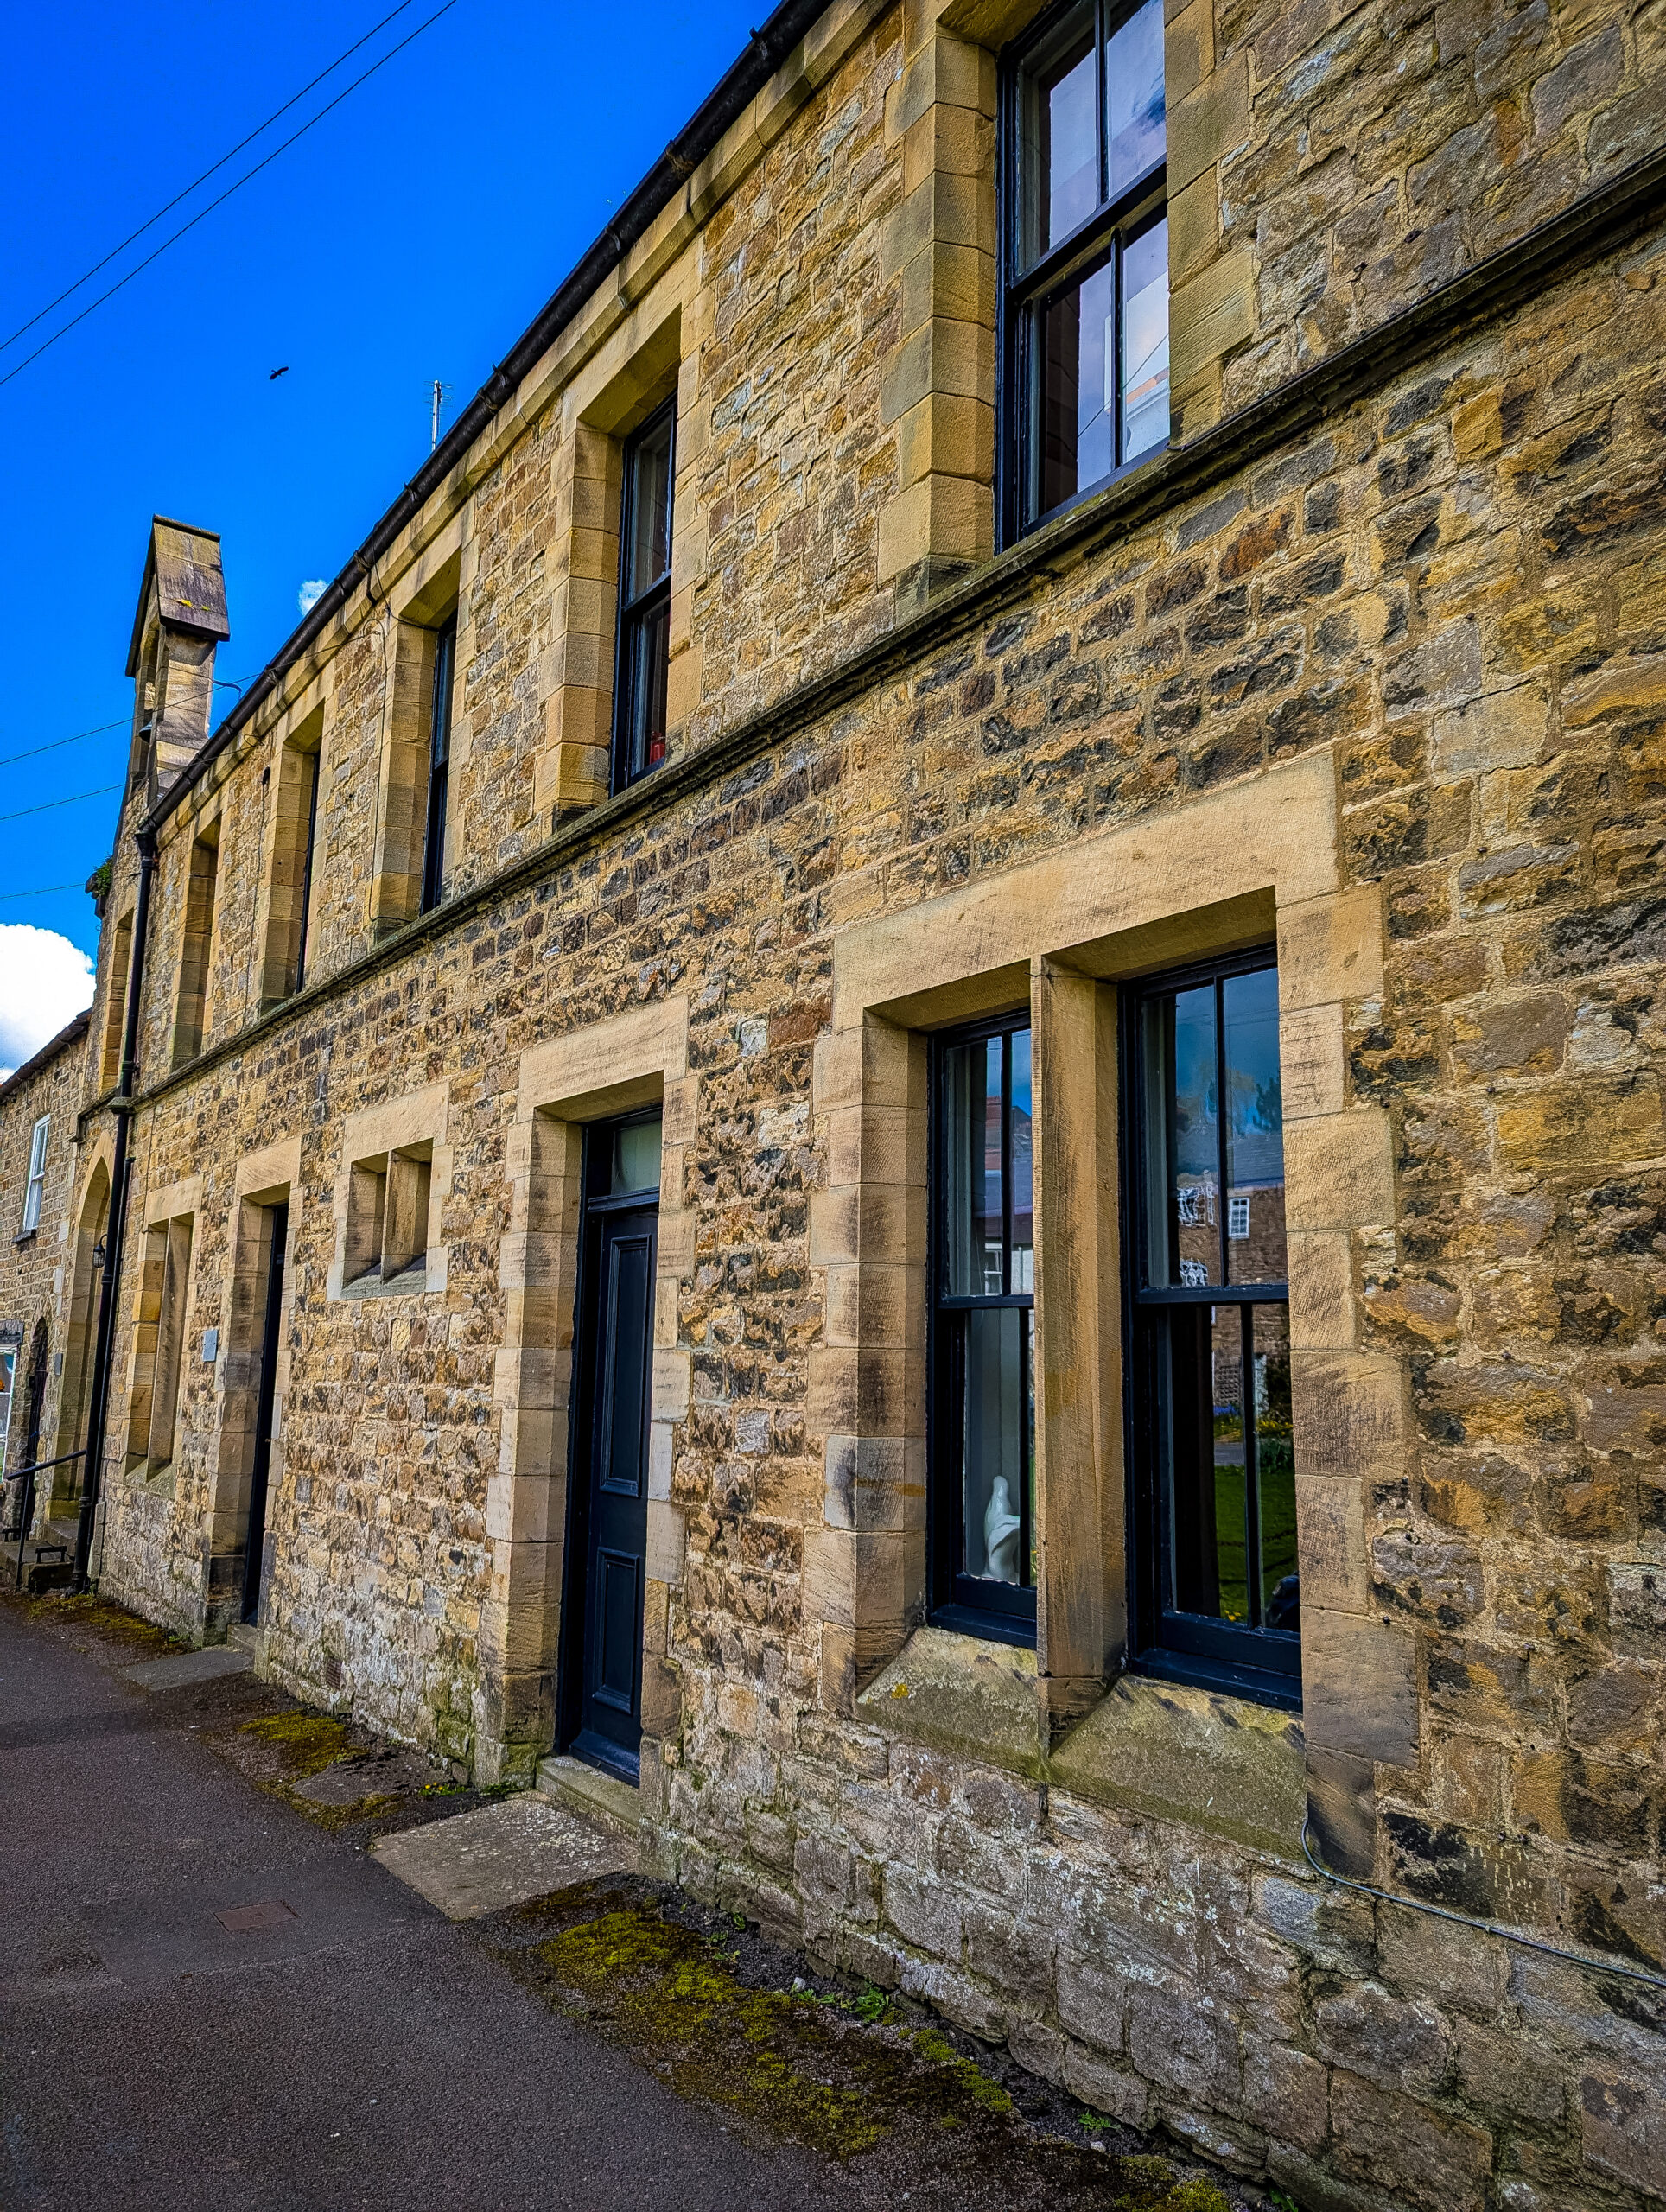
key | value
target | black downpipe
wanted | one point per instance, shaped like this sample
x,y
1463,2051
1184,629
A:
x,y
122,1107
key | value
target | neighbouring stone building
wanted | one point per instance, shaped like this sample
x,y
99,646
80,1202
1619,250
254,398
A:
x,y
40,1102
904,1079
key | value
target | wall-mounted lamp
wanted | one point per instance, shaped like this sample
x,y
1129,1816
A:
x,y
99,1253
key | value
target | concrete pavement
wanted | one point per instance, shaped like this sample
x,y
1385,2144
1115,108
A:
x,y
208,2001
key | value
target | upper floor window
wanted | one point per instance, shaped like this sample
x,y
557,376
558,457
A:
x,y
439,765
982,1262
197,946
37,1175
1086,250
1214,1551
645,599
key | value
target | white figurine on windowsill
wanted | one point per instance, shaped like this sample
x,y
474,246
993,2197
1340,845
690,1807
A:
x,y
1001,1534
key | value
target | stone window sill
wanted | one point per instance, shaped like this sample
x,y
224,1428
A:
x,y
1200,1758
410,1282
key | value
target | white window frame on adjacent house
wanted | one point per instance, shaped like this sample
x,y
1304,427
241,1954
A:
x,y
1238,1216
37,1175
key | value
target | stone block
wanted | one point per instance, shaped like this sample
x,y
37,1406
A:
x,y
1340,1170
1181,2039
1115,2091
1350,1412
1406,2148
1359,1684
1331,949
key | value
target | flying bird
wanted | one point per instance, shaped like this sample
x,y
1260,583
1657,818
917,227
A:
x,y
277,373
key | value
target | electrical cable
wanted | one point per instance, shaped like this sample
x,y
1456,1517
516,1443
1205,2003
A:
x,y
64,329
57,741
1585,1959
47,805
150,221
46,891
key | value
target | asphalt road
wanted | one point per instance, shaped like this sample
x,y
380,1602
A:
x,y
343,2047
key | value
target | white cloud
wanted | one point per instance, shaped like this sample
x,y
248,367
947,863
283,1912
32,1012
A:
x,y
311,592
44,981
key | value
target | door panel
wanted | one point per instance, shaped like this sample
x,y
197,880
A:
x,y
265,1408
610,1502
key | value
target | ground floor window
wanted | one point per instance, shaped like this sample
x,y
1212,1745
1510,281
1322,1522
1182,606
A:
x,y
1213,1555
982,1261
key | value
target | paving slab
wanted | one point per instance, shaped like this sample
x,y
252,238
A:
x,y
503,1855
183,1668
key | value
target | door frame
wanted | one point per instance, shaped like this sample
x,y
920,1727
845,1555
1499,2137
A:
x,y
593,1209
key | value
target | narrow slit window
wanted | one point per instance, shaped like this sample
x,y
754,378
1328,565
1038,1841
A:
x,y
310,766
1216,1584
1086,253
983,1439
645,599
439,766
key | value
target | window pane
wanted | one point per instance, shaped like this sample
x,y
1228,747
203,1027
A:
x,y
972,1141
1275,1468
1201,1445
650,551
1145,341
1060,128
1023,1266
636,1158
1255,1129
1134,96
649,646
996,1421
1077,375
1182,1141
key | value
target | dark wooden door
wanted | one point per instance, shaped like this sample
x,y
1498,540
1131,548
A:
x,y
266,1404
616,1354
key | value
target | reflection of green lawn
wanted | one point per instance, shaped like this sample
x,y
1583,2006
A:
x,y
1278,1518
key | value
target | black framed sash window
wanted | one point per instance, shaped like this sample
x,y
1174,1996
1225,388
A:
x,y
1085,311
1217,1595
439,766
645,599
981,1443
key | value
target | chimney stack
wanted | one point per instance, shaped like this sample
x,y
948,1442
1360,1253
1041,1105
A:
x,y
180,622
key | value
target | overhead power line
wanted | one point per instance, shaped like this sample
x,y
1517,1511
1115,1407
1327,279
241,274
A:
x,y
46,891
266,162
12,758
47,805
150,221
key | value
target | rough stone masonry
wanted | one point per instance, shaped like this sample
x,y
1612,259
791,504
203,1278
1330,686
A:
x,y
1364,668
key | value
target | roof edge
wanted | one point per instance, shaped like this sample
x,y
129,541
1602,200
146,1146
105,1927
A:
x,y
768,48
71,1033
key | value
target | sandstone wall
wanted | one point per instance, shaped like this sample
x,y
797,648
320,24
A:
x,y
1438,606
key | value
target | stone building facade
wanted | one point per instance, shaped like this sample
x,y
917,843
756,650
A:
x,y
40,1110
1354,683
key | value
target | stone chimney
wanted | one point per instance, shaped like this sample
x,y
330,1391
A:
x,y
180,621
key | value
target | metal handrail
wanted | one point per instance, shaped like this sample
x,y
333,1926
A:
x,y
26,1504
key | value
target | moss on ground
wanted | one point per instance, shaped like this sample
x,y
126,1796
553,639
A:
x,y
846,2078
309,1741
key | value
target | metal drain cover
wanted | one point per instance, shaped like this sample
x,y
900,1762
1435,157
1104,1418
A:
x,y
241,1919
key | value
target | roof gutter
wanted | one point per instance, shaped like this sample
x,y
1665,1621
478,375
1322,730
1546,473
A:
x,y
746,77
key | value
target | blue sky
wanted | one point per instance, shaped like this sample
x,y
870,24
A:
x,y
412,235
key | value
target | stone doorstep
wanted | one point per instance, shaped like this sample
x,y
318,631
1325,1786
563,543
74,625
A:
x,y
242,1636
571,1782
183,1668
505,1854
